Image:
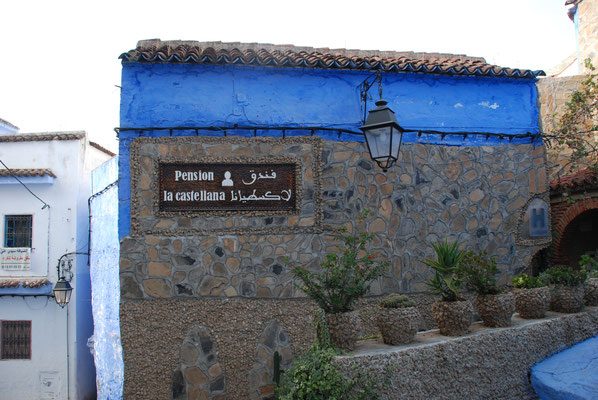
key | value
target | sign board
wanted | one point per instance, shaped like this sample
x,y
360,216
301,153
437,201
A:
x,y
227,187
15,258
538,218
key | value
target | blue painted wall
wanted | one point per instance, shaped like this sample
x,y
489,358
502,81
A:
x,y
191,95
104,272
168,95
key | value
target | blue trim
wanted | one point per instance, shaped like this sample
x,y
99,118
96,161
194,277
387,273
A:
x,y
9,180
44,290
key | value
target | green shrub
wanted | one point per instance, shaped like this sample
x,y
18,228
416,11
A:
x,y
523,281
313,376
343,278
396,300
588,263
563,276
477,271
446,281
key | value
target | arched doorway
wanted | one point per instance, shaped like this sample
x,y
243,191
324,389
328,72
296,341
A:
x,y
574,207
580,237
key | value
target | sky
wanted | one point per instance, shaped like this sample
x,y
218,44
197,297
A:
x,y
59,66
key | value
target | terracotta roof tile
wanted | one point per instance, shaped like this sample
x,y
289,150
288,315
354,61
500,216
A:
x,y
44,136
581,178
26,283
191,52
101,148
27,172
8,123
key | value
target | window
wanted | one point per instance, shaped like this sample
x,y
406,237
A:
x,y
16,340
17,231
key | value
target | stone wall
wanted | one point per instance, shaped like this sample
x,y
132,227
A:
x,y
494,364
553,94
471,194
587,32
230,274
156,334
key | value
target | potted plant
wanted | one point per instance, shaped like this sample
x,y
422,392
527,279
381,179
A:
x,y
397,319
566,288
591,283
342,279
532,296
495,307
452,313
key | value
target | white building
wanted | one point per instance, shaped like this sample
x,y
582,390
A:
x,y
43,347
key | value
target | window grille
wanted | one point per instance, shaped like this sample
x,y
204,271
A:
x,y
17,231
16,340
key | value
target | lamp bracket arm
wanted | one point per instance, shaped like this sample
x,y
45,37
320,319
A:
x,y
366,85
65,263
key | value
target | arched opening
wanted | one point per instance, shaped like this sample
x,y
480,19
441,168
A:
x,y
580,237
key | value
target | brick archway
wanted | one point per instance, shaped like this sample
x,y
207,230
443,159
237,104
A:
x,y
563,213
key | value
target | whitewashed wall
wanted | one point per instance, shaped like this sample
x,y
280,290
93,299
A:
x,y
59,229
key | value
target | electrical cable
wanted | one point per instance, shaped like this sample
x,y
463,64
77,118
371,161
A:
x,y
25,186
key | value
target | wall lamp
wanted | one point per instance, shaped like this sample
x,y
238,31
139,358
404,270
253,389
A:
x,y
383,134
63,289
62,292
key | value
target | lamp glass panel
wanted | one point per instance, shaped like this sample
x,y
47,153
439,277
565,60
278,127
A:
x,y
62,292
61,296
379,141
396,142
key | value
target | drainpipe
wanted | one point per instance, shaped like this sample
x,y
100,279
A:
x,y
68,360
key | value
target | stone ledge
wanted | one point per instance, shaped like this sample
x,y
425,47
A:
x,y
486,363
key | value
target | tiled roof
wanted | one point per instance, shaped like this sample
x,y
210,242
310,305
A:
x,y
15,283
581,178
43,136
27,172
269,55
101,148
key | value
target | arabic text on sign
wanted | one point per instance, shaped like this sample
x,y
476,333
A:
x,y
220,186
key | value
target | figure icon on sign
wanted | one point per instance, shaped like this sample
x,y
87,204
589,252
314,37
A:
x,y
227,180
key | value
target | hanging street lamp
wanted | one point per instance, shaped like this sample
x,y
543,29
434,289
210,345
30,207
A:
x,y
62,292
63,289
383,135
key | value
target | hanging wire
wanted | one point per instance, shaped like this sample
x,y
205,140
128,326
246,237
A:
x,y
46,205
312,129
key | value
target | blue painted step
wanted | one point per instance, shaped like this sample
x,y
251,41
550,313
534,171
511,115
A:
x,y
569,375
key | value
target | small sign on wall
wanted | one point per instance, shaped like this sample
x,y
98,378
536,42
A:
x,y
15,258
49,385
227,187
538,218
534,223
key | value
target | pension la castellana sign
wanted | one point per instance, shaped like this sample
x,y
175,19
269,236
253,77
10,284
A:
x,y
226,187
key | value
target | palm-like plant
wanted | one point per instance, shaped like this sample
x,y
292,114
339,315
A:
x,y
446,281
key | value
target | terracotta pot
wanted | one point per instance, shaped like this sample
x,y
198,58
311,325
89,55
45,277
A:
x,y
496,310
398,325
591,296
566,299
453,317
532,303
344,329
